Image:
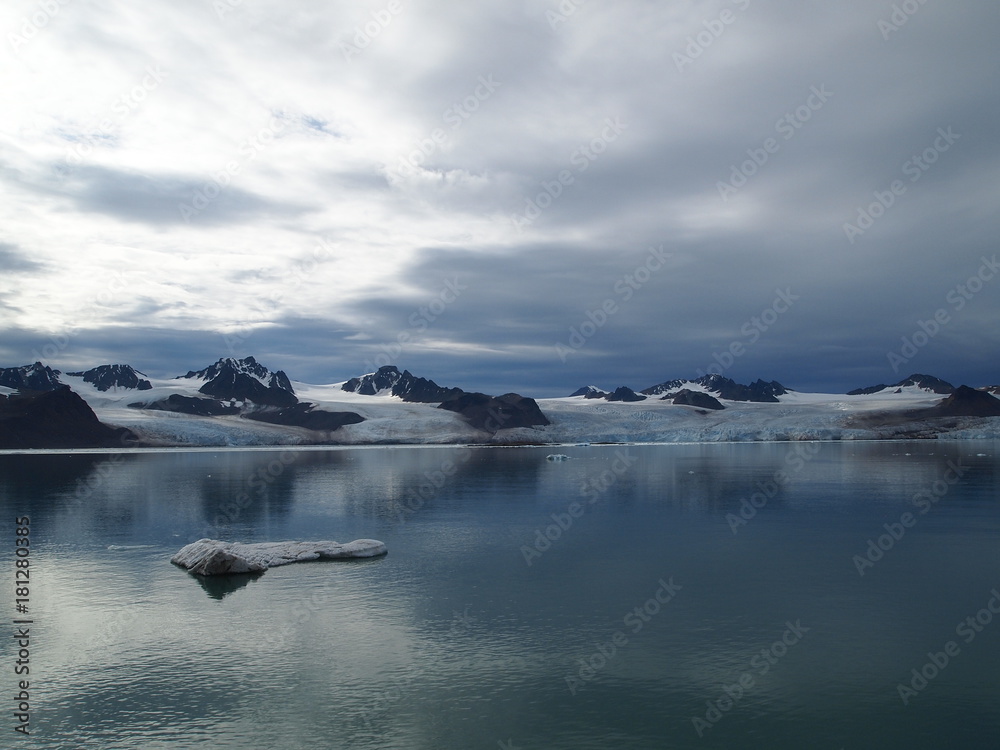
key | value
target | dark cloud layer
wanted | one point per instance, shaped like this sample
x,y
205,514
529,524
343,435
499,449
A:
x,y
571,146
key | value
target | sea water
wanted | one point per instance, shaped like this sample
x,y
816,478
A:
x,y
786,595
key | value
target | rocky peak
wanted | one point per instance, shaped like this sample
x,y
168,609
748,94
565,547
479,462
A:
x,y
404,385
924,382
229,367
106,377
36,377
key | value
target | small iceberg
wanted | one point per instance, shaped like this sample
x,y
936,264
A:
x,y
211,557
557,457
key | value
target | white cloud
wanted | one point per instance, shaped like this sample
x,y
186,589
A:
x,y
257,121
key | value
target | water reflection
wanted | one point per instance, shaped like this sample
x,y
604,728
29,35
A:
x,y
453,641
219,587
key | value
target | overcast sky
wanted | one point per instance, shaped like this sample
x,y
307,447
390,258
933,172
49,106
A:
x,y
524,195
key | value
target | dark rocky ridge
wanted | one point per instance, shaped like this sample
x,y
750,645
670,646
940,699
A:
x,y
241,387
625,395
589,391
36,377
56,418
927,423
198,407
403,385
669,386
622,394
687,397
301,414
927,382
494,413
106,377
307,416
759,391
964,402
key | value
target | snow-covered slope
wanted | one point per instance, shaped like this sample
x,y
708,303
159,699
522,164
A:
x,y
798,416
389,418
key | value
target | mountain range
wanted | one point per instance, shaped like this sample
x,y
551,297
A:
x,y
721,387
242,402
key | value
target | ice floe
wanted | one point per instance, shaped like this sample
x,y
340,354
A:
x,y
208,557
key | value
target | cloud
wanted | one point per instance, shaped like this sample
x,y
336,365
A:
x,y
532,156
160,200
14,261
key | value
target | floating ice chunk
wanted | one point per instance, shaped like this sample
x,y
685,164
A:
x,y
208,557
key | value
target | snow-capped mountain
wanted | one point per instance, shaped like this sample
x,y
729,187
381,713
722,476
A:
x,y
246,366
759,391
389,380
589,391
927,383
669,386
106,377
232,379
36,377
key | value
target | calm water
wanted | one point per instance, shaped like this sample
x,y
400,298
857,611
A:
x,y
636,617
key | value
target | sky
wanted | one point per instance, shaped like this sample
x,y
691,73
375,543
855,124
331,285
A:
x,y
529,195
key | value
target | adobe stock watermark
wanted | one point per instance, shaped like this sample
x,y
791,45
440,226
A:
x,y
958,297
713,29
278,636
760,665
914,168
634,621
33,24
751,331
59,342
924,500
296,275
366,33
120,109
432,483
563,12
224,7
795,461
582,157
624,289
921,677
787,126
455,116
592,490
900,16
102,472
420,320
258,481
388,696
249,149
